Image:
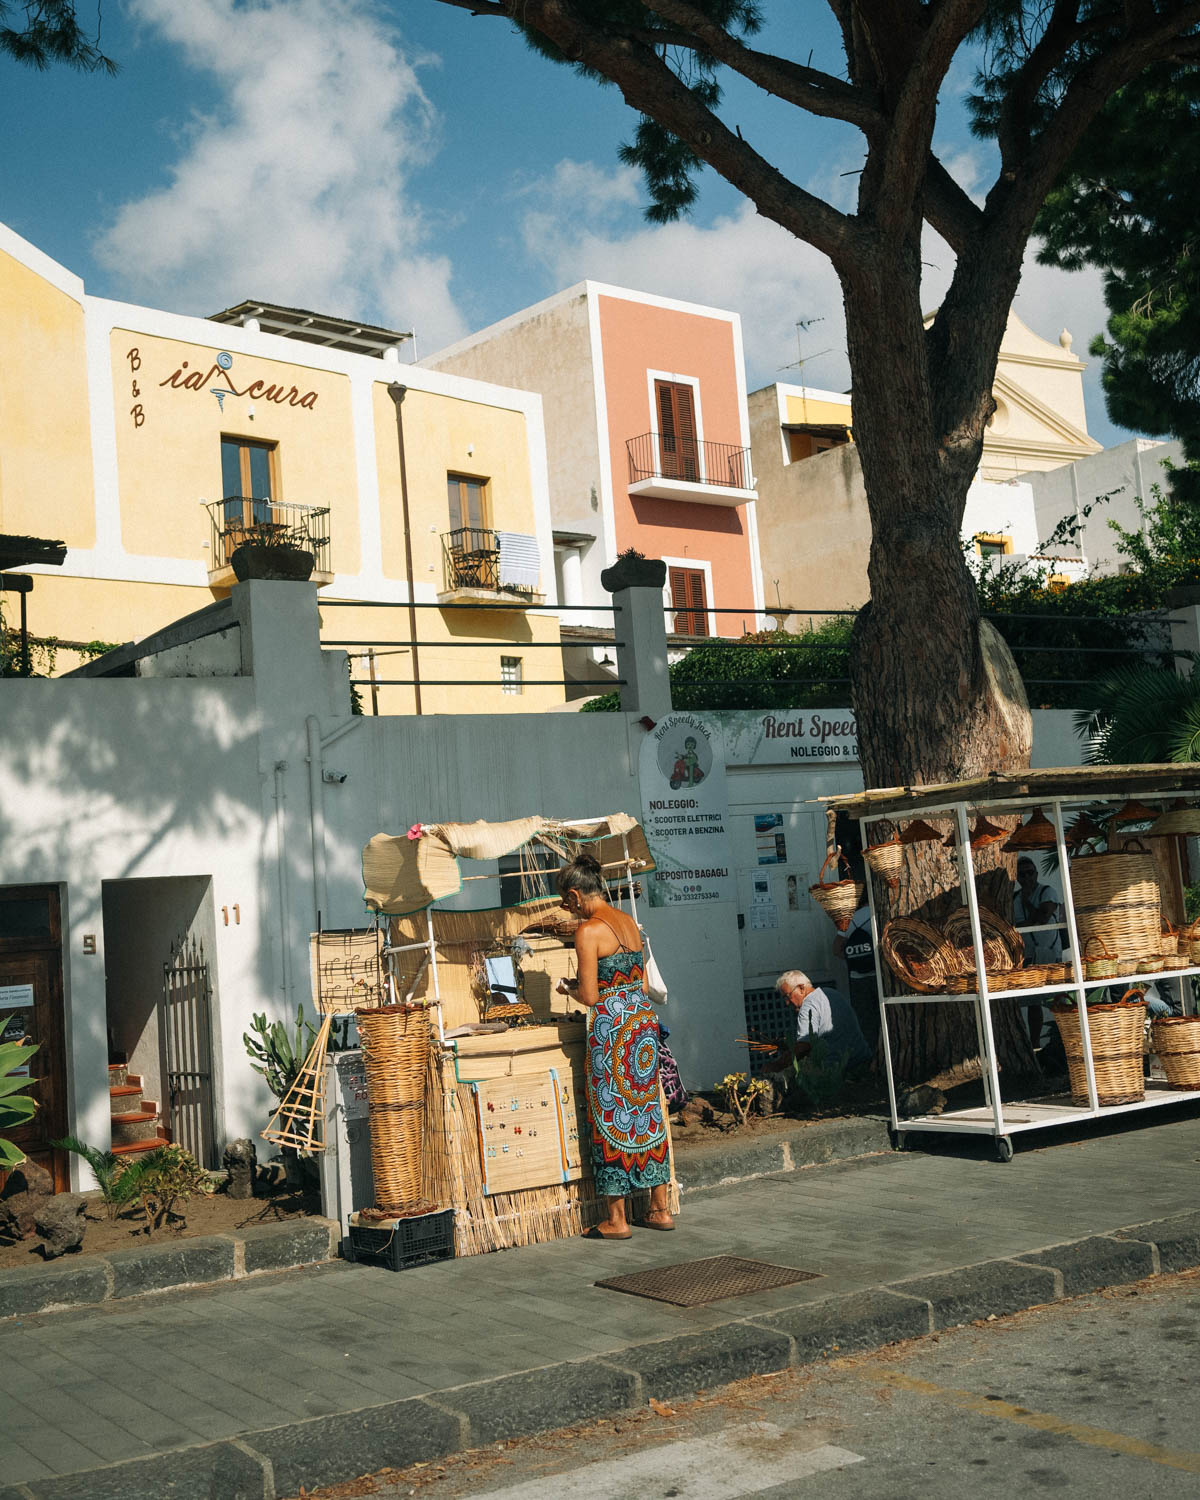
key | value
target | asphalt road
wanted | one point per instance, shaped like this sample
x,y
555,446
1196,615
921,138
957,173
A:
x,y
1076,1399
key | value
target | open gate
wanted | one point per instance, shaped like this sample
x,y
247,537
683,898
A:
x,y
186,1026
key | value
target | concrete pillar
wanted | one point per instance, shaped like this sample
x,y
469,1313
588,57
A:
x,y
641,631
572,576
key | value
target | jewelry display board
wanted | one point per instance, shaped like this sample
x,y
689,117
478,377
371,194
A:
x,y
520,1135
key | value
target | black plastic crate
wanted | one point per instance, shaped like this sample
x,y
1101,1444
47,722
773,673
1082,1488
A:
x,y
409,1242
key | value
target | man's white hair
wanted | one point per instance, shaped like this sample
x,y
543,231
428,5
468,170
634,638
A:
x,y
794,979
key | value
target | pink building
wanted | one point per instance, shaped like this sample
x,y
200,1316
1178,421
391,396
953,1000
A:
x,y
648,443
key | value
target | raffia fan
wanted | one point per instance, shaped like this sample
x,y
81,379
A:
x,y
408,872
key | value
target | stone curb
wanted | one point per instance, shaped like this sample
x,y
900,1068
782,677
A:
x,y
329,1450
702,1166
162,1267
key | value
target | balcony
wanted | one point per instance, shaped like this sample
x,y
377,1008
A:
x,y
240,518
476,559
679,468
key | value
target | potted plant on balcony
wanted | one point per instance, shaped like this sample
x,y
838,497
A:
x,y
274,552
633,569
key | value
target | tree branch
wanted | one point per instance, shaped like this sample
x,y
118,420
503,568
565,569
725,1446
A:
x,y
653,89
947,206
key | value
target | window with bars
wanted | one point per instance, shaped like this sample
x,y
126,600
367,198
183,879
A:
x,y
511,675
679,452
689,600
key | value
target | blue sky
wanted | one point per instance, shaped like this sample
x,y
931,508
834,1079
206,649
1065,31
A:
x,y
412,165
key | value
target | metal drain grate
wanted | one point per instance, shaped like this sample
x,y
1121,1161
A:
x,y
695,1282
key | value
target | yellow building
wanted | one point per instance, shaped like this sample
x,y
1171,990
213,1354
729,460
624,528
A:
x,y
155,445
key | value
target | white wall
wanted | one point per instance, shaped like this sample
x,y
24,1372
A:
x,y
1122,473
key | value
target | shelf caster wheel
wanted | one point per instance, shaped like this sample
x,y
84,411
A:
x,y
1004,1148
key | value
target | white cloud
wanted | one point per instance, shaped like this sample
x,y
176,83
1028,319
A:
x,y
294,187
581,222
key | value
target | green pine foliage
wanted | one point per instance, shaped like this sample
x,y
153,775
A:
x,y
48,31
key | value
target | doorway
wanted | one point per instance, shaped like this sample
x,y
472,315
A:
x,y
31,1009
161,985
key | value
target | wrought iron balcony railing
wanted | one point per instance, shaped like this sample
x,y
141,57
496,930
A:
x,y
241,518
471,560
653,456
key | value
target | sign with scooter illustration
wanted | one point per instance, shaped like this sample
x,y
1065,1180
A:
x,y
685,812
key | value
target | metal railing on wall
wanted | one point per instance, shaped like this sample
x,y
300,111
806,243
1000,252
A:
x,y
375,649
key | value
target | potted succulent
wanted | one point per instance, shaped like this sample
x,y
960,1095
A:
x,y
274,552
633,569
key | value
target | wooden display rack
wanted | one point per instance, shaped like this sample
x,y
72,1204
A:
x,y
503,1142
1055,792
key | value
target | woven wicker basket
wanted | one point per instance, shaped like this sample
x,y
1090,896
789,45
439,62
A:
x,y
1117,899
395,1047
886,859
1176,1040
919,955
1033,977
1169,938
1101,965
1116,1033
1003,947
1189,941
838,899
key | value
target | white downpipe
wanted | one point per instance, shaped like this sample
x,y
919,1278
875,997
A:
x,y
316,808
281,872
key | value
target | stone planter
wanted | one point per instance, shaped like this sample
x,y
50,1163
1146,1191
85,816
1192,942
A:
x,y
634,572
277,564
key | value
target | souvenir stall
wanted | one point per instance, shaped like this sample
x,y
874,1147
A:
x,y
1114,840
474,1063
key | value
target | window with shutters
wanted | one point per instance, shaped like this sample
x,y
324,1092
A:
x,y
689,600
678,450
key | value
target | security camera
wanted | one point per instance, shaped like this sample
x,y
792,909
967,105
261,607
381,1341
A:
x,y
334,778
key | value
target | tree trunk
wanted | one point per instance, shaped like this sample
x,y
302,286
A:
x,y
937,694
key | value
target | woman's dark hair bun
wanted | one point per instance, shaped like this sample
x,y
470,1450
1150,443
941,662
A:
x,y
584,874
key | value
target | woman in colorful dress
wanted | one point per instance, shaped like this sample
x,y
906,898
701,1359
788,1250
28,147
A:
x,y
629,1134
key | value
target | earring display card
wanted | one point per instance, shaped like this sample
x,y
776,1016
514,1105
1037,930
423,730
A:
x,y
572,1122
520,1139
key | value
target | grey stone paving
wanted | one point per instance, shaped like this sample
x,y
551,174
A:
x,y
91,1386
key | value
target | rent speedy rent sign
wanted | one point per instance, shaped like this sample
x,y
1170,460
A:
x,y
685,812
788,735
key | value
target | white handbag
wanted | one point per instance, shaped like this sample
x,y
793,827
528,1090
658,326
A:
x,y
652,980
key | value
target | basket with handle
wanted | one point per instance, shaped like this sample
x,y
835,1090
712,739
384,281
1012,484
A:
x,y
1189,941
1169,938
1099,961
886,859
838,899
1117,899
1116,1033
1003,947
1176,1040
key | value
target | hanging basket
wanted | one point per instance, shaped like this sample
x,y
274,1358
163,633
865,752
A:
x,y
1003,947
1037,833
919,955
1116,898
838,899
1116,1033
887,860
395,1048
919,832
1099,962
1176,1040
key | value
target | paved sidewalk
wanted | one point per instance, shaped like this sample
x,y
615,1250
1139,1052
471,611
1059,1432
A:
x,y
309,1377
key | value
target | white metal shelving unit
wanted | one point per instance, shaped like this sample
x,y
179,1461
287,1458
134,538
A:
x,y
997,1118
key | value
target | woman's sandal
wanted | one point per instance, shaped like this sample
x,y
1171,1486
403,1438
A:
x,y
595,1233
649,1223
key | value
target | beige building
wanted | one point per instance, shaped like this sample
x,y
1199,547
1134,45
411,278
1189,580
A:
x,y
813,525
155,444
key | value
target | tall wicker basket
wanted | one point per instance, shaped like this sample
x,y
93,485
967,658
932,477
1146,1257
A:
x,y
1176,1040
1117,900
395,1047
1116,1033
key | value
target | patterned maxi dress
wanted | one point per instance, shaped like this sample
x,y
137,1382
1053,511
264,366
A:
x,y
629,1135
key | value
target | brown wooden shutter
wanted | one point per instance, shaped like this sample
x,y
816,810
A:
x,y
677,430
689,600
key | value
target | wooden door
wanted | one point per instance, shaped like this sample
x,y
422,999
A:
x,y
31,1006
678,451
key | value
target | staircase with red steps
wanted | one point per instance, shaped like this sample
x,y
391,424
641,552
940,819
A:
x,y
135,1123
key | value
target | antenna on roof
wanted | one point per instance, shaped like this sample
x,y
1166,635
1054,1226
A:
x,y
802,359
